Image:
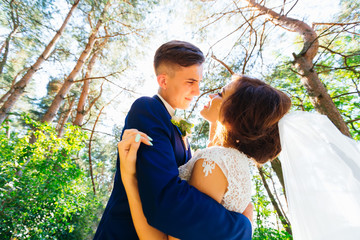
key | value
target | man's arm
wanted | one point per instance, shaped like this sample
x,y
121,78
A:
x,y
170,204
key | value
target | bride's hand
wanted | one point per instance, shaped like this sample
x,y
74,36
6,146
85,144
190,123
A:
x,y
128,148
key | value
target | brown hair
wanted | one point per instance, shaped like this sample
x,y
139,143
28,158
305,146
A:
x,y
177,53
251,115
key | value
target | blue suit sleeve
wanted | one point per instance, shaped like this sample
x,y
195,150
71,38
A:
x,y
169,203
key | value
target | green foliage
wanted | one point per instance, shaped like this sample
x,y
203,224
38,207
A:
x,y
44,193
200,135
285,79
262,233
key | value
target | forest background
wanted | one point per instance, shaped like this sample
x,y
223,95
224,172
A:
x,y
70,69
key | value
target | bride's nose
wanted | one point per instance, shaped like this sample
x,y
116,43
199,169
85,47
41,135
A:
x,y
211,96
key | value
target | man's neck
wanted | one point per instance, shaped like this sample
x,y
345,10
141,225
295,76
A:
x,y
168,107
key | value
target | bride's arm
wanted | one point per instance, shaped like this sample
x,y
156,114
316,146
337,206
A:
x,y
127,150
214,184
143,229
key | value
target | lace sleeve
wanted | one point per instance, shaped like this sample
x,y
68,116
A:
x,y
235,167
214,156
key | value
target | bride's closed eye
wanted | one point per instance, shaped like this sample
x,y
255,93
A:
x,y
220,94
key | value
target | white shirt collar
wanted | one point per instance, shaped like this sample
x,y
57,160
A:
x,y
169,108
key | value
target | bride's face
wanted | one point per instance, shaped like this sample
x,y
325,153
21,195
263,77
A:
x,y
211,110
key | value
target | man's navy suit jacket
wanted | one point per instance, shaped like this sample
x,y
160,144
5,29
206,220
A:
x,y
169,203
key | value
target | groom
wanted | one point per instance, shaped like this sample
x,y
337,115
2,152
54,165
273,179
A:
x,y
169,204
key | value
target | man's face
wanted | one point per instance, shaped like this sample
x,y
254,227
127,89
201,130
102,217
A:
x,y
182,85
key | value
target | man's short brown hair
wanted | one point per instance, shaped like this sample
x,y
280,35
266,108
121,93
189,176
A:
x,y
179,53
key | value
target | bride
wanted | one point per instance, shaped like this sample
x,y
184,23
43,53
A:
x,y
321,166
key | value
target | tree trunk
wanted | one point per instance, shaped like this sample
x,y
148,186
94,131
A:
x,y
64,119
7,47
81,112
276,166
7,94
2,46
319,97
18,89
60,96
281,215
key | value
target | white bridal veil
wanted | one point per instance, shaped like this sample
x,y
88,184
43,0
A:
x,y
321,168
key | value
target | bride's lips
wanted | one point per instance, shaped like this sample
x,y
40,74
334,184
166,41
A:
x,y
188,99
207,105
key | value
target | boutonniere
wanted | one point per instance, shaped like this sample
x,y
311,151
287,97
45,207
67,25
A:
x,y
183,125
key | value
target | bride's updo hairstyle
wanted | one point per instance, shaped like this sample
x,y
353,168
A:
x,y
251,115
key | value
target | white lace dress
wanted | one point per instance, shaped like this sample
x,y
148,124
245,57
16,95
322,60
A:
x,y
234,165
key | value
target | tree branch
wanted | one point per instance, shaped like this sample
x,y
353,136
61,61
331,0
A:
x,y
344,94
333,24
354,120
222,63
87,129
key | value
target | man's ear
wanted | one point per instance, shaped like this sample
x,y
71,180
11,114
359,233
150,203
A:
x,y
162,81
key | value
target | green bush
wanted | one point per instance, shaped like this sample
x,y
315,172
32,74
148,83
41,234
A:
x,y
44,193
